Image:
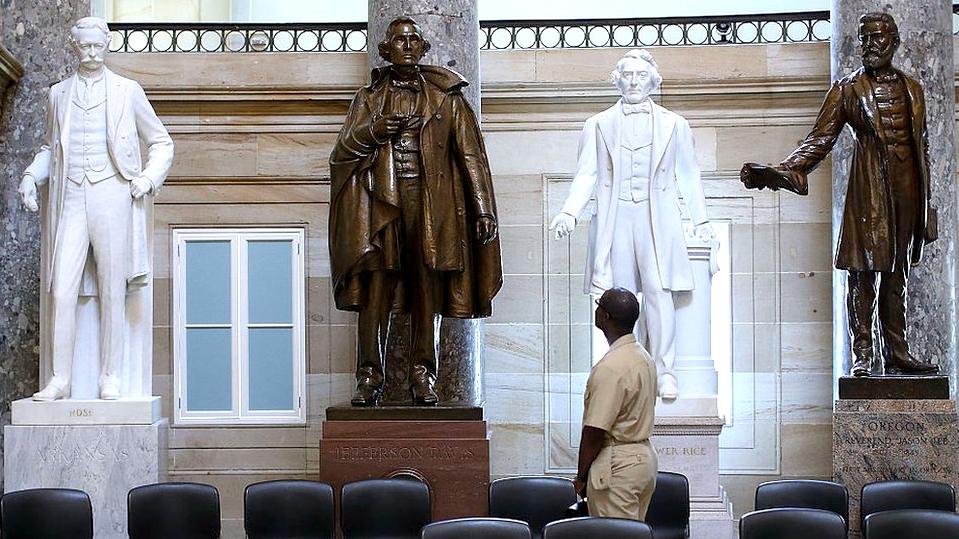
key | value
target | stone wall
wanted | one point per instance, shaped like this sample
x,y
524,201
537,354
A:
x,y
37,33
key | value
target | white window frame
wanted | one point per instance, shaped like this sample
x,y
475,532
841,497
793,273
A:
x,y
240,414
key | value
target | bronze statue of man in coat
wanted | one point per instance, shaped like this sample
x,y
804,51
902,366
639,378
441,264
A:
x,y
413,224
887,217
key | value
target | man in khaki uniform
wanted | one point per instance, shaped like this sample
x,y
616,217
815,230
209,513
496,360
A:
x,y
617,463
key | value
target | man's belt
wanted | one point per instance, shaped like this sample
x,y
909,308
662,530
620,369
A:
x,y
609,442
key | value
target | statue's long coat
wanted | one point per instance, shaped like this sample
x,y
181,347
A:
x,y
457,188
867,237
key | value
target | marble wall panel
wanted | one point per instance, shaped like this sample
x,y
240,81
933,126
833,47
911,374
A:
x,y
514,348
517,449
765,144
543,151
802,248
162,350
294,154
804,446
522,249
227,155
318,340
229,458
807,346
220,437
806,397
248,72
519,199
807,296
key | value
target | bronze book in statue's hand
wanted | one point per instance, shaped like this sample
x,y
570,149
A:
x,y
757,176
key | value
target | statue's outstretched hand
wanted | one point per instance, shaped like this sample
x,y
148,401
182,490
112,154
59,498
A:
x,y
563,225
485,229
28,193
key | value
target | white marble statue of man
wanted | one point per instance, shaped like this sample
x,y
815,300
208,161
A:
x,y
96,222
637,158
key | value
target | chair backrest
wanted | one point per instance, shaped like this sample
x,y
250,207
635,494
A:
x,y
46,512
397,508
891,495
165,510
805,494
535,500
911,524
477,528
288,508
668,513
598,527
792,523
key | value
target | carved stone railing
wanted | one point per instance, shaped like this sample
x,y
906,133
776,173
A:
x,y
798,27
494,35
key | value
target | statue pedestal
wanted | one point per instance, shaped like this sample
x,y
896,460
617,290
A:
x,y
880,439
445,447
127,411
104,460
690,446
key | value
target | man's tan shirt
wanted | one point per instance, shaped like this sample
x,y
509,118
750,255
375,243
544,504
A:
x,y
621,393
621,400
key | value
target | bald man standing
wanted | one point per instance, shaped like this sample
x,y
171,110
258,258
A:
x,y
617,462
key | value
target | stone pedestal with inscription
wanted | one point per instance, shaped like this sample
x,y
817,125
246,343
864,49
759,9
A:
x,y
450,455
690,446
686,434
104,448
879,439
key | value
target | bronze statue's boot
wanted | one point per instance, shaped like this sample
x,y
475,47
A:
x,y
909,365
369,388
422,387
860,365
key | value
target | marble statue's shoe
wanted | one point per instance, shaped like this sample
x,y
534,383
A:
x,y
422,390
110,389
55,389
910,365
860,366
668,387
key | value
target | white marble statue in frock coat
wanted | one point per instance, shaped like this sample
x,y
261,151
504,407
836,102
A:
x,y
637,158
96,226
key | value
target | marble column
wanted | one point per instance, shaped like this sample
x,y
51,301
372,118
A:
x,y
37,34
452,28
926,54
694,366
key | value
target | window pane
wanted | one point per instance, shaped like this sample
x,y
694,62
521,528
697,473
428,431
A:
x,y
271,369
209,369
270,282
208,282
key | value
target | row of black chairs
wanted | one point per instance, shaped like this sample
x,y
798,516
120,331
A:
x,y
888,509
374,508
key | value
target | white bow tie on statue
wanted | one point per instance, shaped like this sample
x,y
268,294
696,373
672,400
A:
x,y
633,108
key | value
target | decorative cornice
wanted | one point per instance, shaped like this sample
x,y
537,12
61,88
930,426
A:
x,y
10,70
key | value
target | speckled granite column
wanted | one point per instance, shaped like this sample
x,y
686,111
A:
x,y
926,53
452,28
36,32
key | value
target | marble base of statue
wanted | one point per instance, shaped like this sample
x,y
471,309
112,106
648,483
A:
x,y
444,446
877,439
104,448
894,387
